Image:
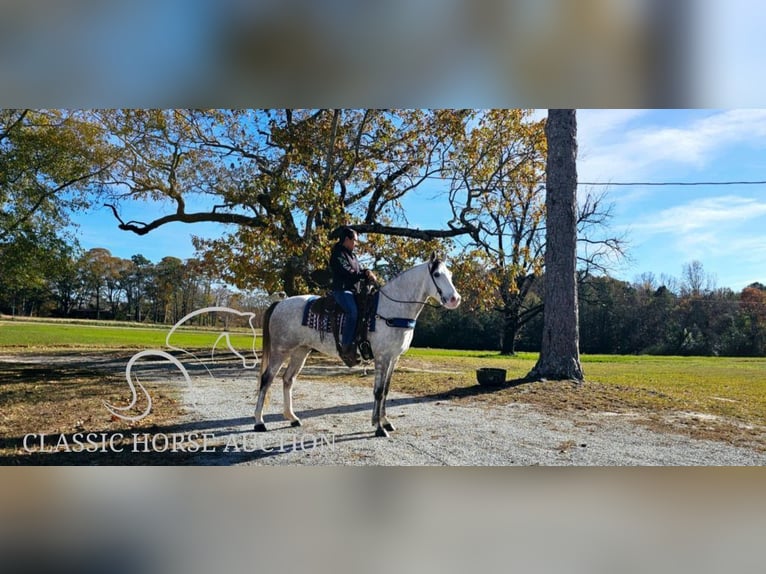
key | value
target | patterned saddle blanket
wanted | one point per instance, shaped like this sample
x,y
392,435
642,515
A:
x,y
325,315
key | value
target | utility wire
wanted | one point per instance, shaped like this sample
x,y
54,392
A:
x,y
649,183
670,183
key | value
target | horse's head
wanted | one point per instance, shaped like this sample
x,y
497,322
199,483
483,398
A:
x,y
442,289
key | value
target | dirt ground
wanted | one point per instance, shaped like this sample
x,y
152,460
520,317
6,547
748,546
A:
x,y
52,412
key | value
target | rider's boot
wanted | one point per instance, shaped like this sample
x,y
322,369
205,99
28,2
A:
x,y
349,355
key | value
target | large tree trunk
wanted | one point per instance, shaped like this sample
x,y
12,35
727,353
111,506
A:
x,y
560,350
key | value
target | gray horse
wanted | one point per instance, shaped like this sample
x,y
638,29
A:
x,y
400,302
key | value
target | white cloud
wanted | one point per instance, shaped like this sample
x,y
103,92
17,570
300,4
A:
x,y
616,149
594,124
698,143
702,215
725,233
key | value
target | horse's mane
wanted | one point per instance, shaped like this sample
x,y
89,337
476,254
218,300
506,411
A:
x,y
403,274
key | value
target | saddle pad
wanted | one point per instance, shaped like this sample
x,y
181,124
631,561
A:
x,y
320,320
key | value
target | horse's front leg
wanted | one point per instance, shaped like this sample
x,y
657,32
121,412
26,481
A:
x,y
383,372
383,419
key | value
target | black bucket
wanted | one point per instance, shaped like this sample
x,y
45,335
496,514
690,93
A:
x,y
489,377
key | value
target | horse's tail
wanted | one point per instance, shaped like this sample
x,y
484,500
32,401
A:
x,y
266,339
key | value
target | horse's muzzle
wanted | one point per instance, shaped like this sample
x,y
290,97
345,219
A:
x,y
451,302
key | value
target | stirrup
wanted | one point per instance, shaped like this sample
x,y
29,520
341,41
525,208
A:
x,y
365,349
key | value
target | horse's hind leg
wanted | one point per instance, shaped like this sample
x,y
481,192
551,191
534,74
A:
x,y
297,360
275,363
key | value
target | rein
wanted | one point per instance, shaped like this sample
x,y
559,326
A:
x,y
426,302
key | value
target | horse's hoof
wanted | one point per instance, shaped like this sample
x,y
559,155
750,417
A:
x,y
296,423
259,427
380,431
389,427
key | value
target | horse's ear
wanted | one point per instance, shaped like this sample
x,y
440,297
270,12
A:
x,y
433,256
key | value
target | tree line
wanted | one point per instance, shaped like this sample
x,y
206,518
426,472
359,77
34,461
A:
x,y
666,315
650,315
96,285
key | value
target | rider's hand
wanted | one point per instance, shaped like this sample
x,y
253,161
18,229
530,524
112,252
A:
x,y
371,276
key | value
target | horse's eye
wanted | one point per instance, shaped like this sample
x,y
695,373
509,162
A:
x,y
437,274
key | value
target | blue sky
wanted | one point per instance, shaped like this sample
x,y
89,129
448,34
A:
x,y
724,227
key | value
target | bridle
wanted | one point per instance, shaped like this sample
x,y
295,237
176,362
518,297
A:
x,y
431,272
432,267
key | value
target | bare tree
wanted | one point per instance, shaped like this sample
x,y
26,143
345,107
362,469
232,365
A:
x,y
560,349
695,281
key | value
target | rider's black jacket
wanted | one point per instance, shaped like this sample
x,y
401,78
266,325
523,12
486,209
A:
x,y
346,272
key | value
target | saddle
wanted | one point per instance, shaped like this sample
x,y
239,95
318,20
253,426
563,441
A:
x,y
326,316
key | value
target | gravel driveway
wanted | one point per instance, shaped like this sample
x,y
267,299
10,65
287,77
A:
x,y
337,431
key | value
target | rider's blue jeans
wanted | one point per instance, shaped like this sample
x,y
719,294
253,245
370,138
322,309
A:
x,y
346,300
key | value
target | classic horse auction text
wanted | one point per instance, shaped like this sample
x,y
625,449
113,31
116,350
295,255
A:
x,y
192,442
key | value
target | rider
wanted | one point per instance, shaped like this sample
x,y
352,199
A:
x,y
346,275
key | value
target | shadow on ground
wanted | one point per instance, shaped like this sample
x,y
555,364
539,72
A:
x,y
125,452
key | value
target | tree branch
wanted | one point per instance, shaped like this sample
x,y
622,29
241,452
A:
x,y
141,228
45,195
424,234
15,123
528,314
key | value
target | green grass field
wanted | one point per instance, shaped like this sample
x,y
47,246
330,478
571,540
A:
x,y
723,386
42,335
720,386
717,398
